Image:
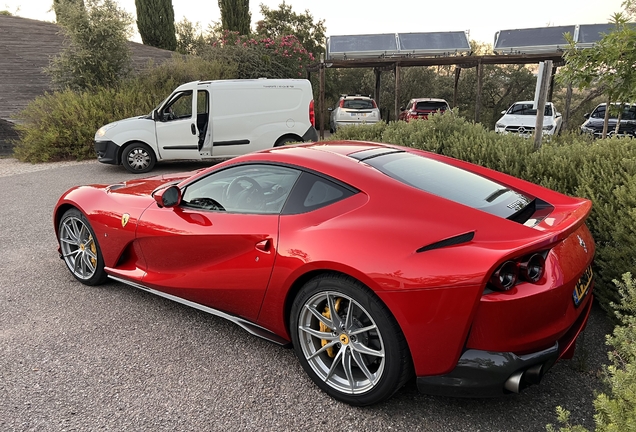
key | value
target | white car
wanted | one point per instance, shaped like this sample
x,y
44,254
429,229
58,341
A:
x,y
353,110
521,119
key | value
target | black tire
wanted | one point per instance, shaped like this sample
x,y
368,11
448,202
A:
x,y
80,249
351,372
138,158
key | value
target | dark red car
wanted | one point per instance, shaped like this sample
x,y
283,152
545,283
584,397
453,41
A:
x,y
421,108
376,262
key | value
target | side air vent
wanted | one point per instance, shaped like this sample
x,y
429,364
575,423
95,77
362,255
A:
x,y
451,241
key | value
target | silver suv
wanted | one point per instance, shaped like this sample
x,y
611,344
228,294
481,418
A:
x,y
353,110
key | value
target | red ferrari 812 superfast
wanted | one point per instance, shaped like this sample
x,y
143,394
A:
x,y
378,263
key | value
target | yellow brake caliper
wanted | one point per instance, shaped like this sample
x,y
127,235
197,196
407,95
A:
x,y
324,328
94,250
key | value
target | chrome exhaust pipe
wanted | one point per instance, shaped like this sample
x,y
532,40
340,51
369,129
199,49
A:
x,y
513,384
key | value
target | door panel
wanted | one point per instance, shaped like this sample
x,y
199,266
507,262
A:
x,y
177,132
222,260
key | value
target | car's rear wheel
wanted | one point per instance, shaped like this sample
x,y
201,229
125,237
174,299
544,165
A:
x,y
348,342
138,158
80,249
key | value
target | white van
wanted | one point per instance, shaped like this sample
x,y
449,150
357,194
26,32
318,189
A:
x,y
212,119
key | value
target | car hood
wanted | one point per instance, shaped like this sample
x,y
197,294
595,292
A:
x,y
146,186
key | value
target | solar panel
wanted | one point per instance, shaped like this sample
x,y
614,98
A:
x,y
361,46
433,43
532,40
589,34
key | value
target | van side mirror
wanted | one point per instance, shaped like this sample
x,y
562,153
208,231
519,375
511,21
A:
x,y
558,114
586,115
168,197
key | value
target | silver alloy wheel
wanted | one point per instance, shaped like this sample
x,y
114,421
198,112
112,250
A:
x,y
138,158
344,349
78,248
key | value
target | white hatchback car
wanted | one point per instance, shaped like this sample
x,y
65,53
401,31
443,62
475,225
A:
x,y
521,119
353,110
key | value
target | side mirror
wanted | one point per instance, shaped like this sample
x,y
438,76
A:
x,y
586,115
503,112
401,108
168,197
329,109
558,114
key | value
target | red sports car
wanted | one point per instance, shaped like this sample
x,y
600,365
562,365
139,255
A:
x,y
376,262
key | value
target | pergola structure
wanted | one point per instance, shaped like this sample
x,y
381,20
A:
x,y
391,52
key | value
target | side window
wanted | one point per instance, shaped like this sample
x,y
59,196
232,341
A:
x,y
599,112
253,188
180,107
312,192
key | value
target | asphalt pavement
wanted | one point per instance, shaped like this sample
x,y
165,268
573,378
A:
x,y
114,358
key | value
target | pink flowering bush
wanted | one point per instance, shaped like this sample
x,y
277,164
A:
x,y
282,57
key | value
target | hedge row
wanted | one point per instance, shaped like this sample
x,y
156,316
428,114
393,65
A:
x,y
603,171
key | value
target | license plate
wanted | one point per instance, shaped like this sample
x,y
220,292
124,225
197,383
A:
x,y
582,286
358,114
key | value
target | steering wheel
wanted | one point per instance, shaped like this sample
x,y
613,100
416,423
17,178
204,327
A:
x,y
250,197
207,204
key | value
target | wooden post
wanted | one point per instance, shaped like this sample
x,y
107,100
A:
x,y
397,91
458,71
321,99
543,95
480,82
376,95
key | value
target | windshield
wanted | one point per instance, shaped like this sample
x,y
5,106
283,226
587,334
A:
x,y
526,109
450,182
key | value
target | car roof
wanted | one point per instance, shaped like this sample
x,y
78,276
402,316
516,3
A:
x,y
428,100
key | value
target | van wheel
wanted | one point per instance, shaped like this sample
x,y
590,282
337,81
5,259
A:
x,y
286,140
138,158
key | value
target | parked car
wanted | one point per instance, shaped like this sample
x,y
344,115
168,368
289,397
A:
x,y
376,262
521,119
353,110
212,119
421,108
594,123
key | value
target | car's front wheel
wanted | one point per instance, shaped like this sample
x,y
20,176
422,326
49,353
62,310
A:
x,y
138,158
348,342
80,249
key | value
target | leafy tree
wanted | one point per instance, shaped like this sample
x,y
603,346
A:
x,y
58,7
155,21
190,38
283,21
235,16
97,52
609,64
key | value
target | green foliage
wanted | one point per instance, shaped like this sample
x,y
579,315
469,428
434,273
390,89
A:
x,y
235,16
97,52
616,410
190,38
6,13
283,21
59,7
603,171
155,22
282,57
61,125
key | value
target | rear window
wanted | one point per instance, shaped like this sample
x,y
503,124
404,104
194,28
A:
x,y
357,104
450,182
431,106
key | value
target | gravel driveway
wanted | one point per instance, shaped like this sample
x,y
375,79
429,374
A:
x,y
114,358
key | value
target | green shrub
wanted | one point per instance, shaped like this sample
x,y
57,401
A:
x,y
603,171
62,125
616,409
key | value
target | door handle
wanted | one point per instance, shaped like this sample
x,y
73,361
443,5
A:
x,y
264,245
193,129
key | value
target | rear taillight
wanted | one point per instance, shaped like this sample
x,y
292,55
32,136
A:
x,y
374,104
529,268
505,277
342,103
312,114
